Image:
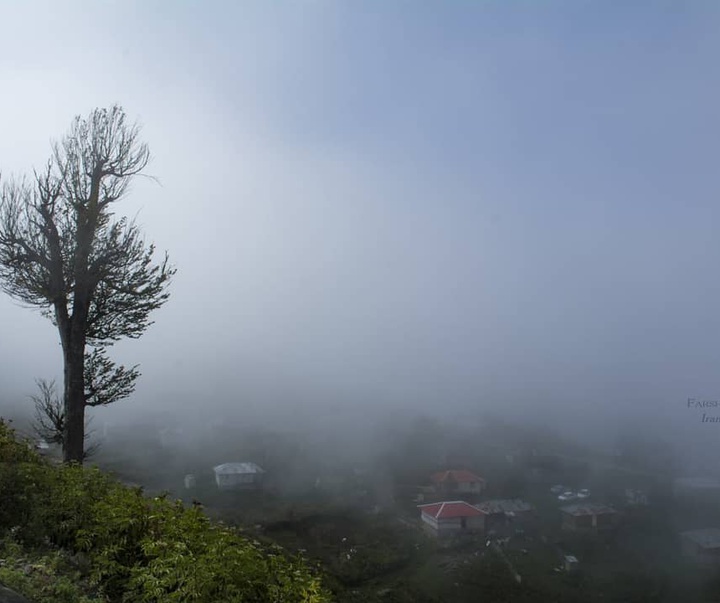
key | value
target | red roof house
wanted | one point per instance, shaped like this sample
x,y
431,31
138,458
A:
x,y
452,517
458,481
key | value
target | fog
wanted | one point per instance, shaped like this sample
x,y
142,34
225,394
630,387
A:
x,y
382,210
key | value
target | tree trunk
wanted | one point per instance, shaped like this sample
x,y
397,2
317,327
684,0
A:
x,y
74,348
74,436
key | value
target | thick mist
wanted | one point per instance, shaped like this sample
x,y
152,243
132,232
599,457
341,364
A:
x,y
399,212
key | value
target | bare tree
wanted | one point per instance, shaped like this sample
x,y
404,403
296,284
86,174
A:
x,y
49,421
61,250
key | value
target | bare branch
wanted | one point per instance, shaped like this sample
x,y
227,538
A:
x,y
106,382
49,422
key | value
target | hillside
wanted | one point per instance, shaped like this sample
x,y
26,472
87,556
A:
x,y
74,534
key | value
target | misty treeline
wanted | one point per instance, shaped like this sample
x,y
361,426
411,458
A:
x,y
62,250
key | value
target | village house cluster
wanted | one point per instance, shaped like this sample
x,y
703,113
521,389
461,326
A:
x,y
454,517
526,494
498,516
456,505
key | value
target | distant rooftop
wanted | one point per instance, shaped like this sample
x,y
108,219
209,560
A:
x,y
707,538
450,509
588,509
504,506
238,468
459,476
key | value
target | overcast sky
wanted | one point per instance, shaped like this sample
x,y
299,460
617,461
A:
x,y
410,204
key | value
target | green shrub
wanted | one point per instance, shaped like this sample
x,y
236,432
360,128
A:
x,y
157,550
44,577
140,549
18,464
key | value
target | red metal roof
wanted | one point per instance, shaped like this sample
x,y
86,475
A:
x,y
460,476
450,509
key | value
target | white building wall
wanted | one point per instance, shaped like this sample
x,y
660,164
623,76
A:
x,y
230,480
429,521
455,525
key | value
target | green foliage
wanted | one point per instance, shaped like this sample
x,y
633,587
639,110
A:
x,y
13,450
359,565
355,549
44,577
18,461
139,549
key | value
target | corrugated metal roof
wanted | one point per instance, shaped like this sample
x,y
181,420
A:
x,y
588,509
238,468
504,506
707,538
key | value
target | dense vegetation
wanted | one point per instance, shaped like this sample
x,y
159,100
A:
x,y
111,543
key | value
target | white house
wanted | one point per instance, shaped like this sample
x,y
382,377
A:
x,y
244,476
452,517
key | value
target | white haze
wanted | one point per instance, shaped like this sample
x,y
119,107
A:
x,y
374,207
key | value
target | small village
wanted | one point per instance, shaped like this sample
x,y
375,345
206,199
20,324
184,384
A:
x,y
515,511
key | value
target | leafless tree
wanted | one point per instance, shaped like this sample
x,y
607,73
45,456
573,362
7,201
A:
x,y
49,421
62,250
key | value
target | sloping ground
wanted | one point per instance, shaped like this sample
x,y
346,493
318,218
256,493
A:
x,y
10,596
64,527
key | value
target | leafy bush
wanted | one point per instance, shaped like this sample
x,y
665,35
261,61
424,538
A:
x,y
141,549
44,577
18,461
